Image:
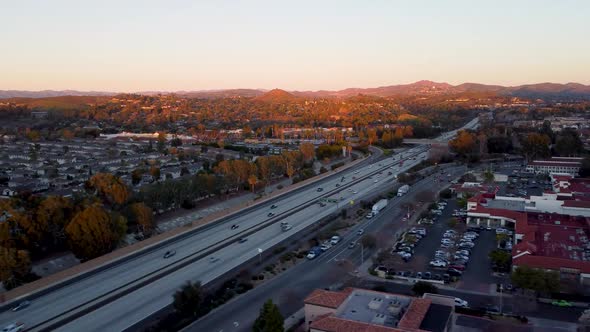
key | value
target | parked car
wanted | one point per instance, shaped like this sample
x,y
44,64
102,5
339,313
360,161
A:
x,y
418,275
454,272
457,267
438,263
427,275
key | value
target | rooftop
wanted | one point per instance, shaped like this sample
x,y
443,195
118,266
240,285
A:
x,y
436,314
375,307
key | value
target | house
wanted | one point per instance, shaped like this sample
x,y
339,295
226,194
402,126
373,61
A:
x,y
355,309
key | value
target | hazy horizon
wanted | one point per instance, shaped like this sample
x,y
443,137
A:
x,y
183,46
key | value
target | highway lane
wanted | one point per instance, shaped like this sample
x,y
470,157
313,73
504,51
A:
x,y
290,288
118,316
72,296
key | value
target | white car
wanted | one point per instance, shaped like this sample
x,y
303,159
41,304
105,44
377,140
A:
x,y
447,241
438,263
311,255
335,239
461,303
326,246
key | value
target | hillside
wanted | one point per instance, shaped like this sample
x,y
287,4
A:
x,y
62,102
276,96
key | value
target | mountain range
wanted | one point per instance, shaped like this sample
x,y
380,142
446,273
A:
x,y
541,90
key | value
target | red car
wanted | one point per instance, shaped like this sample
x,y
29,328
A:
x,y
457,267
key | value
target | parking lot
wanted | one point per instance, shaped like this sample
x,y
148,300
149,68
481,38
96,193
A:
x,y
477,274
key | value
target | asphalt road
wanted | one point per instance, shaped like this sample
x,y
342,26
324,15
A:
x,y
133,307
290,288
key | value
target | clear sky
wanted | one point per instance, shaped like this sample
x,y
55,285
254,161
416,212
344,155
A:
x,y
139,45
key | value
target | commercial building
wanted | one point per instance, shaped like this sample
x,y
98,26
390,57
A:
x,y
355,309
560,165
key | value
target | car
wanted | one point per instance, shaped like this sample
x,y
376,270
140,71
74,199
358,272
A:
x,y
447,241
357,172
355,192
406,249
351,245
273,206
243,239
234,226
561,303
450,231
405,255
418,275
22,305
464,245
493,309
438,263
446,245
375,181
325,246
460,262
169,253
311,255
454,272
437,277
349,189
270,215
14,327
337,185
457,267
461,303
463,252
360,232
320,189
446,277
427,275
335,239
501,231
461,257
213,259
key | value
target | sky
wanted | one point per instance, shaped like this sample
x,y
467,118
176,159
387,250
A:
x,y
133,45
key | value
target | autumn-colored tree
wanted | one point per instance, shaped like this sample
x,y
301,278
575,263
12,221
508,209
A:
x,y
111,188
52,215
252,181
308,151
92,233
14,266
464,143
155,172
143,217
371,136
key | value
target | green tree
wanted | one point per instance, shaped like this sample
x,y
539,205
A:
x,y
422,287
535,145
369,241
188,300
568,143
501,258
538,280
269,320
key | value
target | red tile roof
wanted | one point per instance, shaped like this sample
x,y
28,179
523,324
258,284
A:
x,y
577,204
335,324
326,298
551,263
414,316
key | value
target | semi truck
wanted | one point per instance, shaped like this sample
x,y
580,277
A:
x,y
377,207
403,190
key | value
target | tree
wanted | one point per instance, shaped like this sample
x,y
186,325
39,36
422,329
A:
x,y
143,217
488,176
269,320
372,136
538,280
568,143
464,143
111,188
585,167
161,142
252,181
52,216
92,233
136,175
189,300
155,172
535,145
499,144
501,258
308,151
368,241
15,265
422,287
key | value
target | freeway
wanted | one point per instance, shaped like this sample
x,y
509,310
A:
x,y
144,284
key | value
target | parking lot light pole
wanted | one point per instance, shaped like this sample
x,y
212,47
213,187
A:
x,y
501,287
